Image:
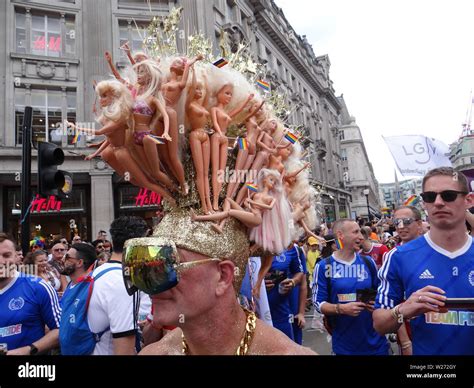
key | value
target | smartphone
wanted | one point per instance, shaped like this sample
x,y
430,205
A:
x,y
459,303
366,295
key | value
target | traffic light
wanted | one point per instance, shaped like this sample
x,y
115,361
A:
x,y
50,179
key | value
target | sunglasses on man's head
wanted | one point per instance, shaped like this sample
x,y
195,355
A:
x,y
152,265
446,195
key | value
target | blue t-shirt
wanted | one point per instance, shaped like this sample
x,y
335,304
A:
x,y
422,263
295,292
350,335
27,304
288,264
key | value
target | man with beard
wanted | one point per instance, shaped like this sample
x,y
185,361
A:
x,y
27,303
430,269
77,262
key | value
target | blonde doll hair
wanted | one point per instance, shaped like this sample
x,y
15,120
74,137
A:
x,y
122,104
156,79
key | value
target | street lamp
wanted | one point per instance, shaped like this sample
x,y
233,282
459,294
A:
x,y
366,193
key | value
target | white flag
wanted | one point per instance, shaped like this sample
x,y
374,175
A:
x,y
415,155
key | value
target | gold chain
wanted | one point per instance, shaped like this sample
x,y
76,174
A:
x,y
246,340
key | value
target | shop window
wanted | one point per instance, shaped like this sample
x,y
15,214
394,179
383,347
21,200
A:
x,y
47,34
47,113
134,34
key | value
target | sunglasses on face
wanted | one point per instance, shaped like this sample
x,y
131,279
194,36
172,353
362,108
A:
x,y
446,195
401,222
59,250
152,265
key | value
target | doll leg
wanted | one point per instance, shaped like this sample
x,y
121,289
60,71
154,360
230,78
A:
x,y
215,167
173,149
210,217
256,167
223,152
151,153
164,151
266,261
239,164
198,159
109,156
249,219
206,152
126,160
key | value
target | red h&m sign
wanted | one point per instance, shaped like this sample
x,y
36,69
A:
x,y
50,204
147,198
53,45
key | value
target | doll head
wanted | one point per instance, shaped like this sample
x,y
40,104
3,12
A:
x,y
178,65
140,56
149,77
285,152
115,100
224,95
270,179
270,126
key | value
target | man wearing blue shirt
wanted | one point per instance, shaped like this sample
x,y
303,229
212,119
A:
x,y
428,270
285,273
27,304
335,294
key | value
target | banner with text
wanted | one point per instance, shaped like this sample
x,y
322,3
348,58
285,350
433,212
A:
x,y
415,155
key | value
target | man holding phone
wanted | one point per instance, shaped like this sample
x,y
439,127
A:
x,y
429,270
342,292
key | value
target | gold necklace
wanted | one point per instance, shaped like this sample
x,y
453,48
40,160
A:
x,y
245,341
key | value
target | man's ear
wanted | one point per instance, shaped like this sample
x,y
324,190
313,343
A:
x,y
226,279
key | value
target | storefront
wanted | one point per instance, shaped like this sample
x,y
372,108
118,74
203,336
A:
x,y
134,201
51,217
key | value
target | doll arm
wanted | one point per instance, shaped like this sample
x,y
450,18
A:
x,y
192,90
166,119
116,74
110,127
215,122
102,147
261,204
240,108
125,47
254,112
188,65
297,172
263,145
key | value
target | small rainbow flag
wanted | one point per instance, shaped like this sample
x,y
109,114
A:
x,y
291,137
220,63
157,139
339,244
77,136
251,187
412,200
264,85
243,144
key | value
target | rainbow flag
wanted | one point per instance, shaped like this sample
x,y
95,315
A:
x,y
412,200
157,139
77,136
243,144
220,63
339,244
264,85
291,137
251,187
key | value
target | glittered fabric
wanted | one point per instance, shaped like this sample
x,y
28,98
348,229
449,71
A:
x,y
197,236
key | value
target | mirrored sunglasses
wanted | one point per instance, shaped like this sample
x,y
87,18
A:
x,y
152,265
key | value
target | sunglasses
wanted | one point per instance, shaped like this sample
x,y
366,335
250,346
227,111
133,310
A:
x,y
446,195
67,256
401,222
152,265
59,250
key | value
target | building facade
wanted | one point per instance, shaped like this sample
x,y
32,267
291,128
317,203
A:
x,y
396,193
358,173
53,53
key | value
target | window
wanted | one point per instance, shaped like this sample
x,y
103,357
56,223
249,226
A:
x,y
343,154
132,33
48,37
47,113
341,134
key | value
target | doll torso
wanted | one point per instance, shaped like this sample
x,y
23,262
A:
x,y
143,112
172,93
253,131
223,119
198,116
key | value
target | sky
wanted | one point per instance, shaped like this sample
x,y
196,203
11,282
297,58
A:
x,y
404,67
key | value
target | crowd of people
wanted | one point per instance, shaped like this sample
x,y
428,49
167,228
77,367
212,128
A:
x,y
368,279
